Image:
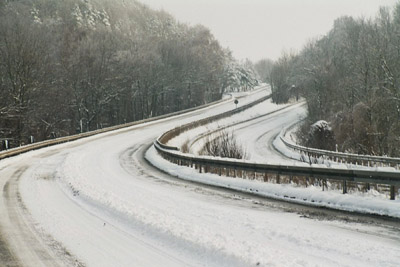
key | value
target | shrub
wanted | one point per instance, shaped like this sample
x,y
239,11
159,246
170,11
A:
x,y
224,145
321,136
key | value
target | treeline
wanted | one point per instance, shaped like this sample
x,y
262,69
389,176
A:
x,y
78,65
351,78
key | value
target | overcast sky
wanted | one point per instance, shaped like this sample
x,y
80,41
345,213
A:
x,y
257,29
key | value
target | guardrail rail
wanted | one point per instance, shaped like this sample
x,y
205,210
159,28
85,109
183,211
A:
x,y
340,157
26,148
280,173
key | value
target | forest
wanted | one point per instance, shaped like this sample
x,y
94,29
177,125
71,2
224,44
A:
x,y
73,66
350,78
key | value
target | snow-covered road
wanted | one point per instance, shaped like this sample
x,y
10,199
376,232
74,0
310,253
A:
x,y
257,135
95,202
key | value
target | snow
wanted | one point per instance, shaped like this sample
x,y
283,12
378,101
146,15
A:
x,y
321,162
321,124
372,202
264,125
96,198
255,134
261,123
297,238
196,136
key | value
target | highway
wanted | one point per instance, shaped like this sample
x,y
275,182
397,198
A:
x,y
97,202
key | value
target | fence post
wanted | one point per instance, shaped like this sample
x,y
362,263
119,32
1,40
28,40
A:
x,y
392,192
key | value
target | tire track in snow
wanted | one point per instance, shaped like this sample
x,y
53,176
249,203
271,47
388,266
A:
x,y
22,244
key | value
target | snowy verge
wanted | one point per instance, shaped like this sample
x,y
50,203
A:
x,y
288,142
369,203
195,137
280,146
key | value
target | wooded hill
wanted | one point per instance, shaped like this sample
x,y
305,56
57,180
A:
x,y
351,78
78,65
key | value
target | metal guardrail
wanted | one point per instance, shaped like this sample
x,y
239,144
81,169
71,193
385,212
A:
x,y
363,160
165,137
22,149
227,166
204,164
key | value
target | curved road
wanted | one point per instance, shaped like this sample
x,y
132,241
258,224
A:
x,y
258,135
96,202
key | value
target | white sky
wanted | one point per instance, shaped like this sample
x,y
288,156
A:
x,y
257,29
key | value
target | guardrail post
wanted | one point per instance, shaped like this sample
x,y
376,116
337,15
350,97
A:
x,y
344,187
392,192
311,180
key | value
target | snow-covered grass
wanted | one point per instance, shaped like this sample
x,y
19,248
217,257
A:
x,y
371,202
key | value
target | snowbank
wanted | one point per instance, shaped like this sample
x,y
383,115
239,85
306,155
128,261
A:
x,y
371,203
